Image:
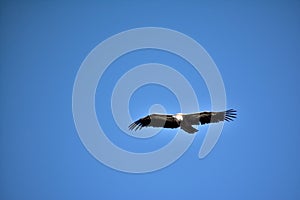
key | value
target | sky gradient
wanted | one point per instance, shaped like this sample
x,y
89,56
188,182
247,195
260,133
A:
x,y
255,46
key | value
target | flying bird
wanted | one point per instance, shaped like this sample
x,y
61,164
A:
x,y
184,121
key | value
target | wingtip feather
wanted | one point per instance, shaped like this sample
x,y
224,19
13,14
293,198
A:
x,y
230,115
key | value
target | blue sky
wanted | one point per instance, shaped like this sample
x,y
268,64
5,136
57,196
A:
x,y
256,47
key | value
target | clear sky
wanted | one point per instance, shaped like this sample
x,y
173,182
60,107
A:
x,y
255,45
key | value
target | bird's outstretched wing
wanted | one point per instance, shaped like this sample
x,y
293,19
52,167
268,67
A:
x,y
154,120
210,117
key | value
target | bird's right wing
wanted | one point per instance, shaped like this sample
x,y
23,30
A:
x,y
154,120
210,117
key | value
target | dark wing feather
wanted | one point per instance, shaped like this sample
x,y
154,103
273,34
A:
x,y
154,120
210,117
142,122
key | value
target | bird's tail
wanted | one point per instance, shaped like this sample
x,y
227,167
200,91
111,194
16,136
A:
x,y
187,127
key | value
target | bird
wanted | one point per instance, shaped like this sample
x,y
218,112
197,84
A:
x,y
184,121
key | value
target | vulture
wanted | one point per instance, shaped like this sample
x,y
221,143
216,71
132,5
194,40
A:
x,y
184,121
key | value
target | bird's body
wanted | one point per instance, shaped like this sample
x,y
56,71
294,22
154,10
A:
x,y
184,121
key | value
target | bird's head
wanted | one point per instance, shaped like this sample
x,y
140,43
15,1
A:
x,y
178,116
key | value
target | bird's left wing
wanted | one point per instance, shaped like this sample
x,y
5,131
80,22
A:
x,y
154,120
210,117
